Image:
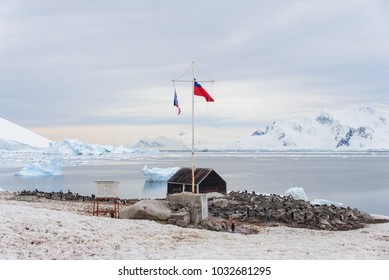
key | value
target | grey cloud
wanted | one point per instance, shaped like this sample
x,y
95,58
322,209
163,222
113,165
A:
x,y
105,61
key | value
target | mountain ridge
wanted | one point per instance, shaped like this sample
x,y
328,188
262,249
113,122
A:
x,y
353,128
17,136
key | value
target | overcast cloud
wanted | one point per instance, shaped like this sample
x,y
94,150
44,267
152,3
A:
x,y
97,63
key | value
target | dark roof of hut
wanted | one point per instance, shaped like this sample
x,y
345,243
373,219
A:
x,y
184,175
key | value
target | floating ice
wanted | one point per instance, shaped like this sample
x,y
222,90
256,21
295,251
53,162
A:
x,y
45,168
297,193
156,174
321,201
122,150
76,147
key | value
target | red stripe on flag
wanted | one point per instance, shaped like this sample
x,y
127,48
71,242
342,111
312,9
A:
x,y
199,91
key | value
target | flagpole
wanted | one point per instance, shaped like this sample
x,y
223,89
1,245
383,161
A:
x,y
193,122
193,151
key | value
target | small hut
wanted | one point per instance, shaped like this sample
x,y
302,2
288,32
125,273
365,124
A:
x,y
206,180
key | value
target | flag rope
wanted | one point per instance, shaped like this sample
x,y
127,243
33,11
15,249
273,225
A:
x,y
202,72
200,134
186,72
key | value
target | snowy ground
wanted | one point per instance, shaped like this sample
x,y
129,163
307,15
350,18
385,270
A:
x,y
45,229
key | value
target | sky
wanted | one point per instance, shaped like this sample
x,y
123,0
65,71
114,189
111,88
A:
x,y
101,71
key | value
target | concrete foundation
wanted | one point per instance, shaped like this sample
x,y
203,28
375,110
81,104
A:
x,y
197,203
181,219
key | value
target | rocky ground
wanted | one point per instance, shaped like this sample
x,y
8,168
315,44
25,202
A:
x,y
246,212
238,207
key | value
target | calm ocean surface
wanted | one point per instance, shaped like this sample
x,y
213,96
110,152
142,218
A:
x,y
358,180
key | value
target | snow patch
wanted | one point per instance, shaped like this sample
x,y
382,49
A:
x,y
52,230
321,201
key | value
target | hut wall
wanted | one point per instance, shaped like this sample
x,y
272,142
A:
x,y
188,188
213,183
207,181
174,188
177,188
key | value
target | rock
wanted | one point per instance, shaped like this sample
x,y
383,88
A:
x,y
69,196
197,203
28,198
213,225
236,216
325,224
351,216
147,209
247,207
253,208
220,202
214,195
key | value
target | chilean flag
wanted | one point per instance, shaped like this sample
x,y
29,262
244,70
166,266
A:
x,y
175,103
199,91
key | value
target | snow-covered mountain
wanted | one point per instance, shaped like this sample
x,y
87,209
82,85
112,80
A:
x,y
354,128
9,145
15,137
160,143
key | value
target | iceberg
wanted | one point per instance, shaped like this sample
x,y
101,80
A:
x,y
51,167
75,147
156,174
297,193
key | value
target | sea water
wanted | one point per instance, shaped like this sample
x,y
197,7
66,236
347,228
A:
x,y
358,180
